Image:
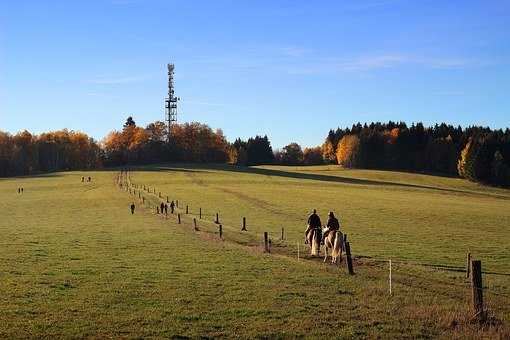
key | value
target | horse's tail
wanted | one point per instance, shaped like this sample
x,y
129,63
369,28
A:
x,y
338,244
315,244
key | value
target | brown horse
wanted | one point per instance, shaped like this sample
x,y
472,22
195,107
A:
x,y
313,241
334,242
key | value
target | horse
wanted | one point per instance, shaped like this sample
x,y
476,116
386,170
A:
x,y
313,241
334,242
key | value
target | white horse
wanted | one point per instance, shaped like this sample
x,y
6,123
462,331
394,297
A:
x,y
334,242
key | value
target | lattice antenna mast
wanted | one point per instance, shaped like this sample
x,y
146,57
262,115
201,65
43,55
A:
x,y
171,101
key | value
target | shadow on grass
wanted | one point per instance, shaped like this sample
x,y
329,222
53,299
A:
x,y
40,175
307,176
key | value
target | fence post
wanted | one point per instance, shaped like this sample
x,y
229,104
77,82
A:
x,y
177,203
349,258
179,218
221,231
390,278
167,199
282,233
195,223
200,213
476,282
266,242
244,224
160,195
186,209
468,265
217,219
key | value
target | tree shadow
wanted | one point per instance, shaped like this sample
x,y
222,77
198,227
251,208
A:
x,y
38,175
316,177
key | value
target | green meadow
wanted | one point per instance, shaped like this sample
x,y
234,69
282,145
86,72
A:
x,y
76,263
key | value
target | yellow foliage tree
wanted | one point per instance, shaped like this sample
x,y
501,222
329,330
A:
x,y
348,151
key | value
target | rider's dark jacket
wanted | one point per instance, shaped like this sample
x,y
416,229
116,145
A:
x,y
333,224
314,221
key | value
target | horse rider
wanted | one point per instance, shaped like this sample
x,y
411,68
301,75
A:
x,y
332,224
314,222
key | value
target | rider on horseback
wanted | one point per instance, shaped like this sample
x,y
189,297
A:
x,y
333,224
314,222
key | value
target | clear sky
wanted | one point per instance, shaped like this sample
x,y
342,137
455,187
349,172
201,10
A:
x,y
289,69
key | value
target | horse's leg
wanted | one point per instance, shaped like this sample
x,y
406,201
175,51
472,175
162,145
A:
x,y
325,252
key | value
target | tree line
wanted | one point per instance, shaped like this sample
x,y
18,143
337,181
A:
x,y
476,153
25,153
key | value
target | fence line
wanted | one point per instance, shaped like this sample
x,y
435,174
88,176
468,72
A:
x,y
127,183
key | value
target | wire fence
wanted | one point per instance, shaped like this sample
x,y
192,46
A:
x,y
210,224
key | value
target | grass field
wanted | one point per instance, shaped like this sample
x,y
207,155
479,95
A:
x,y
76,263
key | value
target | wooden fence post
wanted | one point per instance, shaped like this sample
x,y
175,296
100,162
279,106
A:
x,y
476,283
177,203
167,200
195,223
390,278
266,242
200,213
468,265
349,258
179,218
186,209
282,233
221,231
244,224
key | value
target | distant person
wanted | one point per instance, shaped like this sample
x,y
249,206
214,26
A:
x,y
19,190
332,224
162,207
132,208
166,209
172,207
82,179
89,179
314,222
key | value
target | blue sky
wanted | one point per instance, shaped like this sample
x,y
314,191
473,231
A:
x,y
288,69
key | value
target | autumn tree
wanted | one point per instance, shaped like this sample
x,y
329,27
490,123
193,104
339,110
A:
x,y
348,151
313,156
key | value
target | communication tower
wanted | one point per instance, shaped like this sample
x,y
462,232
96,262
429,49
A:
x,y
171,101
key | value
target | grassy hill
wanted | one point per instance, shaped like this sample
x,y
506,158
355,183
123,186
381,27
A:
x,y
75,262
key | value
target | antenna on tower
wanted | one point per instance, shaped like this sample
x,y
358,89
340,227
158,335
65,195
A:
x,y
171,101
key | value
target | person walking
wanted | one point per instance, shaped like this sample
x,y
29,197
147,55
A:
x,y
172,206
132,208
